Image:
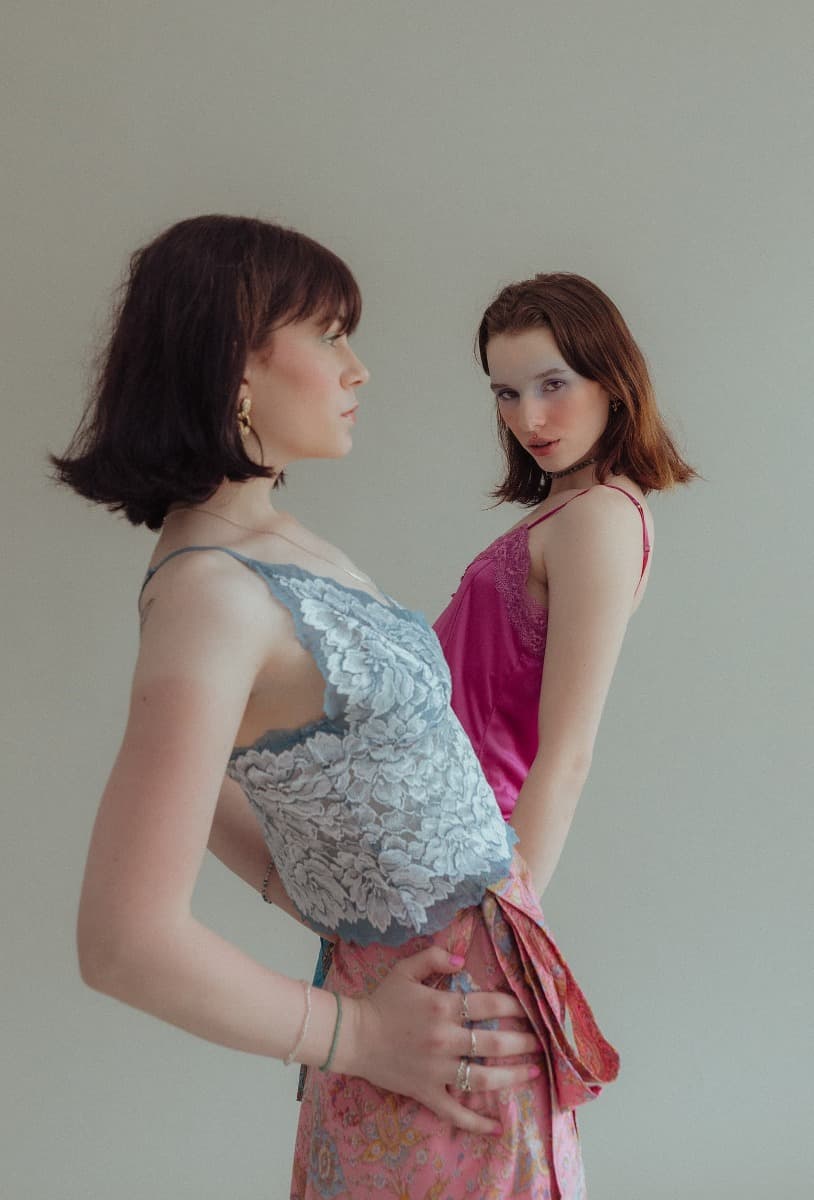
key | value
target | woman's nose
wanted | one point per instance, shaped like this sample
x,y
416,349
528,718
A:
x,y
532,413
356,372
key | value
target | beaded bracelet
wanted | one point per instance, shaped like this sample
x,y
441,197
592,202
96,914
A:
x,y
267,880
289,1058
326,1066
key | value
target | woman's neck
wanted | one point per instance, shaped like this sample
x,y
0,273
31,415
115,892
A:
x,y
248,504
576,481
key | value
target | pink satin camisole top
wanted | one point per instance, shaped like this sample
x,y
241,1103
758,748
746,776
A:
x,y
493,634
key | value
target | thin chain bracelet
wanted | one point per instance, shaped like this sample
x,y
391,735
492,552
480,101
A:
x,y
326,1066
266,881
289,1058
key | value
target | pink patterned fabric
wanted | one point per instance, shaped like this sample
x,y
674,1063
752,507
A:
x,y
355,1141
493,634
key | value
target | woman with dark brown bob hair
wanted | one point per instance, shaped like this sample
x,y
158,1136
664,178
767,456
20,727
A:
x,y
533,633
276,684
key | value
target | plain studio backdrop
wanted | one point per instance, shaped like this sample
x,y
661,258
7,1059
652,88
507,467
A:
x,y
443,149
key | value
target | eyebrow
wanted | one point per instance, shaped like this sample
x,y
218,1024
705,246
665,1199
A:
x,y
542,375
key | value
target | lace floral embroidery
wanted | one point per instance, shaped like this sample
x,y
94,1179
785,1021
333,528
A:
x,y
511,558
383,827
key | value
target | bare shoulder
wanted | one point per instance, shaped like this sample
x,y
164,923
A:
x,y
203,604
595,543
610,511
205,583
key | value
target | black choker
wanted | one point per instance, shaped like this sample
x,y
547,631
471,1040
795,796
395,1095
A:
x,y
586,462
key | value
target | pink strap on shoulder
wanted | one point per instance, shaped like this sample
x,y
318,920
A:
x,y
545,516
616,488
645,535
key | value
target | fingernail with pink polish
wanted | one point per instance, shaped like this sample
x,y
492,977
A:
x,y
456,960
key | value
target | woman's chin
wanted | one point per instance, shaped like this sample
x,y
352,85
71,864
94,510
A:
x,y
338,450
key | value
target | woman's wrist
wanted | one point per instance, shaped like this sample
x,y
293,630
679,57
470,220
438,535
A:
x,y
331,1039
303,1032
347,1059
327,1065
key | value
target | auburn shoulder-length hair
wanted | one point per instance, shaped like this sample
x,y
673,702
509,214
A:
x,y
594,340
160,426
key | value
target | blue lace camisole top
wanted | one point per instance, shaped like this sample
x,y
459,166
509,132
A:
x,y
377,816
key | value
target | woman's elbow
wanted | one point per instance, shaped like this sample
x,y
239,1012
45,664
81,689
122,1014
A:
x,y
580,765
568,771
112,958
98,956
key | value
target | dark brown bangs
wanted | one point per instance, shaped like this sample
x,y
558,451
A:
x,y
322,287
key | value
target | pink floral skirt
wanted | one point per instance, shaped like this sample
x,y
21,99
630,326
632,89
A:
x,y
355,1141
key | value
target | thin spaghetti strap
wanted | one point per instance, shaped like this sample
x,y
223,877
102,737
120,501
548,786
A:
x,y
615,488
645,536
545,516
186,550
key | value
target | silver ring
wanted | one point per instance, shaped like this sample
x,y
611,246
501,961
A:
x,y
461,1076
473,1050
467,1086
464,1008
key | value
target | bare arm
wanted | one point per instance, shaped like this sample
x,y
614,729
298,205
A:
x,y
593,562
236,839
137,936
138,939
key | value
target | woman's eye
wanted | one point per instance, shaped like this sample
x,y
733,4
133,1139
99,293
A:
x,y
332,338
505,395
554,385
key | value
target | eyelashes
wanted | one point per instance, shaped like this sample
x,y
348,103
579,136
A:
x,y
550,386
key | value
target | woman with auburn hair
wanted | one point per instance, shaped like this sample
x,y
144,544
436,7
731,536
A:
x,y
274,677
533,633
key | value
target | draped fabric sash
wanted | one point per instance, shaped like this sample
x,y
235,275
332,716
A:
x,y
581,1062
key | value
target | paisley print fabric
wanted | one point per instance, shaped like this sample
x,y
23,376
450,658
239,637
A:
x,y
356,1142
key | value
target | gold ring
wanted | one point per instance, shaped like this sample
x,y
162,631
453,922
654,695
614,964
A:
x,y
461,1076
467,1086
473,1050
464,1008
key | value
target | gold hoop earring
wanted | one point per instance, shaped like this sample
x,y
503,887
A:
x,y
243,419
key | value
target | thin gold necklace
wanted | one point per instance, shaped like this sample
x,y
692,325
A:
x,y
275,533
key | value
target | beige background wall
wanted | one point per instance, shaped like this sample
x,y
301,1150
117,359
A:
x,y
444,149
